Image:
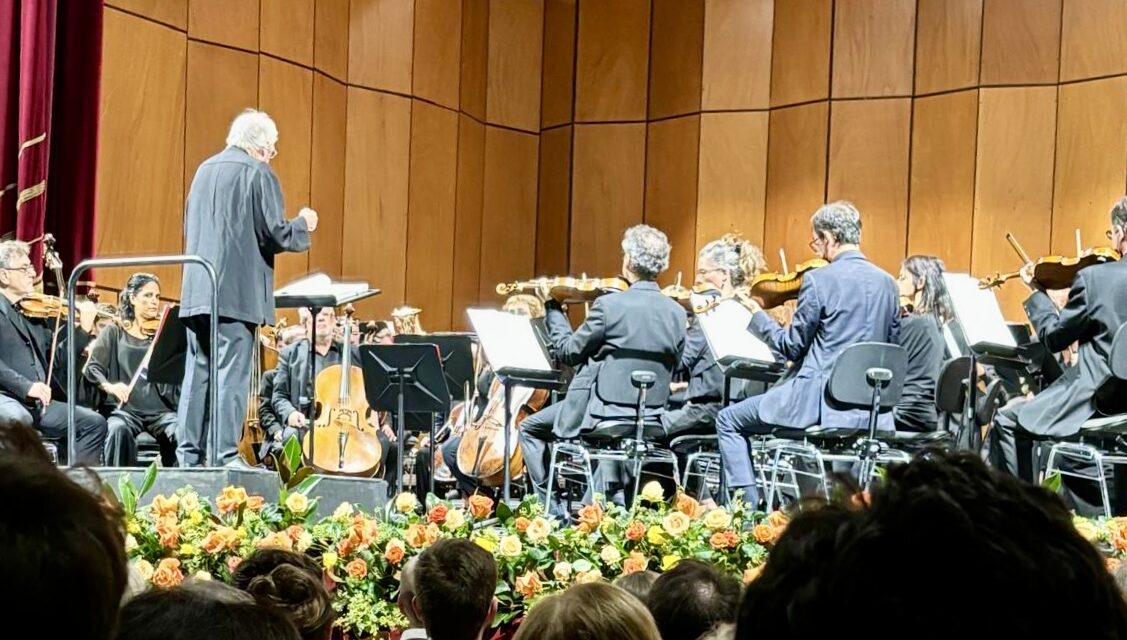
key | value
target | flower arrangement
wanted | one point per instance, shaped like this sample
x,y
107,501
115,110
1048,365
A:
x,y
1108,534
185,534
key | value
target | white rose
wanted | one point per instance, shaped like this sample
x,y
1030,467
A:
x,y
406,502
145,569
562,571
610,555
130,543
454,519
343,511
190,502
653,492
304,541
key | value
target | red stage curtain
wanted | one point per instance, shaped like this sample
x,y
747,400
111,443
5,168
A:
x,y
50,72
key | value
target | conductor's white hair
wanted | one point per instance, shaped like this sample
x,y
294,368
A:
x,y
647,251
252,130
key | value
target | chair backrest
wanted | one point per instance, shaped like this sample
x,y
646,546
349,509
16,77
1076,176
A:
x,y
614,385
951,387
849,384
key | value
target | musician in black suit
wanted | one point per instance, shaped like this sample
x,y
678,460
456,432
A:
x,y
276,432
26,397
639,320
234,219
1096,308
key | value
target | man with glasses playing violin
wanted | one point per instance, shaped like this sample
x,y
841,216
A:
x,y
26,372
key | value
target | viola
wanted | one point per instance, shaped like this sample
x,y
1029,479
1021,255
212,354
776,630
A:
x,y
482,449
566,289
1052,272
775,288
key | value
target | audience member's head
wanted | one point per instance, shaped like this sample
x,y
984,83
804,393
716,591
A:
x,y
454,585
293,584
63,547
637,584
1005,548
194,610
691,598
407,593
592,611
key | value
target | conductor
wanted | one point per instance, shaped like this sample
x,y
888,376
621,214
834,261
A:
x,y
234,218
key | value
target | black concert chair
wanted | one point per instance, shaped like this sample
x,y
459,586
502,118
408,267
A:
x,y
1101,441
867,375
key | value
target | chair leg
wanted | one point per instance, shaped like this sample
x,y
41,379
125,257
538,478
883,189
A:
x,y
773,485
1102,478
551,479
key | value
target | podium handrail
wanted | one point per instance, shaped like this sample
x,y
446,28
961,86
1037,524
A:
x,y
213,354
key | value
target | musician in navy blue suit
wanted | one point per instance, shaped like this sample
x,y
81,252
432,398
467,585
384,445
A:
x,y
848,301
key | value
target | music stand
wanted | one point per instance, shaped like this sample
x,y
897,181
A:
x,y
170,348
530,379
402,378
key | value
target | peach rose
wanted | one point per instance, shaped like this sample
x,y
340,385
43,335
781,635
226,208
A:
x,y
346,546
416,536
636,531
584,577
480,506
777,519
169,531
521,524
688,506
364,530
752,573
590,516
1113,564
276,540
395,551
167,573
294,531
724,540
528,585
357,568
221,539
676,523
763,533
233,563
438,514
255,503
635,563
231,499
861,499
163,507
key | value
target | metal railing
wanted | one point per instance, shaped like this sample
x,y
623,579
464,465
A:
x,y
213,367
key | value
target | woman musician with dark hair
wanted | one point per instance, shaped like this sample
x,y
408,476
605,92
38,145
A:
x,y
924,307
116,360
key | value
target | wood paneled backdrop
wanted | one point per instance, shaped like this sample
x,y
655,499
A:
x,y
452,144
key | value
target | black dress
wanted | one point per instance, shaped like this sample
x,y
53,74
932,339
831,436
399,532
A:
x,y
922,339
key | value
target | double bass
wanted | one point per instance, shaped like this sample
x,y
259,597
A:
x,y
482,449
253,435
344,443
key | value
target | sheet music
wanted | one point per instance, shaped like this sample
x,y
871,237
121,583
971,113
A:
x,y
725,328
508,339
978,312
320,284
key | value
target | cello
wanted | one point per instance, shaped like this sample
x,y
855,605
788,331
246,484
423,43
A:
x,y
253,435
344,442
483,441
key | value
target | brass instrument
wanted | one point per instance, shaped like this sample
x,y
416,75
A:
x,y
406,321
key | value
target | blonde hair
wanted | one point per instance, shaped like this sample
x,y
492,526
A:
x,y
737,257
523,302
594,611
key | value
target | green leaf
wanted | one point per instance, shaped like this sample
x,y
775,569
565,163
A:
x,y
303,481
127,492
149,479
292,451
704,555
1052,482
503,511
583,565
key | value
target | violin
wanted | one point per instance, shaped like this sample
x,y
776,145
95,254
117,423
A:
x,y
1052,272
566,289
482,449
773,289
40,305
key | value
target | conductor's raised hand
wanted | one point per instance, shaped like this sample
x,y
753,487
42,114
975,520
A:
x,y
310,217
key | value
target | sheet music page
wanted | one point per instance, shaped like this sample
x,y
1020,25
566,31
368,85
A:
x,y
725,328
319,284
978,312
508,339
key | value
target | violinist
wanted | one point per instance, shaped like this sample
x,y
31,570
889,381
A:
x,y
850,300
1096,308
115,358
925,307
638,320
26,395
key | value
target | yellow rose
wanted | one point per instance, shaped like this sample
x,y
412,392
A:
x,y
130,543
1086,528
511,546
717,519
133,527
406,502
144,569
583,577
655,535
454,518
668,562
486,543
297,503
344,510
190,502
676,523
562,571
329,559
195,518
187,550
653,492
610,555
538,530
304,541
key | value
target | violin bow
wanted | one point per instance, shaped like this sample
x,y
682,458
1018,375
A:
x,y
51,261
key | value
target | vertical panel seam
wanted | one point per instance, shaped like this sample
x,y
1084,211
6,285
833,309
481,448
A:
x,y
646,110
911,132
829,102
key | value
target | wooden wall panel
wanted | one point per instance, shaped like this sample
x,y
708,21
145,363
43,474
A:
x,y
796,178
675,63
869,142
330,42
286,93
170,12
553,228
516,41
671,190
944,131
438,46
608,184
732,187
800,58
221,83
1091,161
467,224
380,36
1092,42
737,54
873,48
1014,183
230,22
508,217
613,60
326,189
557,82
475,56
375,196
287,30
1020,41
430,214
140,181
948,44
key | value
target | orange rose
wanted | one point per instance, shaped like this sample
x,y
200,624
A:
x,y
357,568
528,585
521,524
221,539
636,531
1113,565
590,516
718,540
294,532
168,573
169,531
346,546
276,540
861,499
437,515
752,573
416,536
480,506
364,530
255,503
164,507
777,519
635,563
395,551
231,499
764,533
687,505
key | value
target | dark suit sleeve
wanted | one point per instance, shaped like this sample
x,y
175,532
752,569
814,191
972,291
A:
x,y
694,347
793,341
576,348
280,396
275,233
1059,330
13,383
267,419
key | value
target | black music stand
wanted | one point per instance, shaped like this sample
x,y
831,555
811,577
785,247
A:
x,y
456,351
530,379
170,348
402,378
